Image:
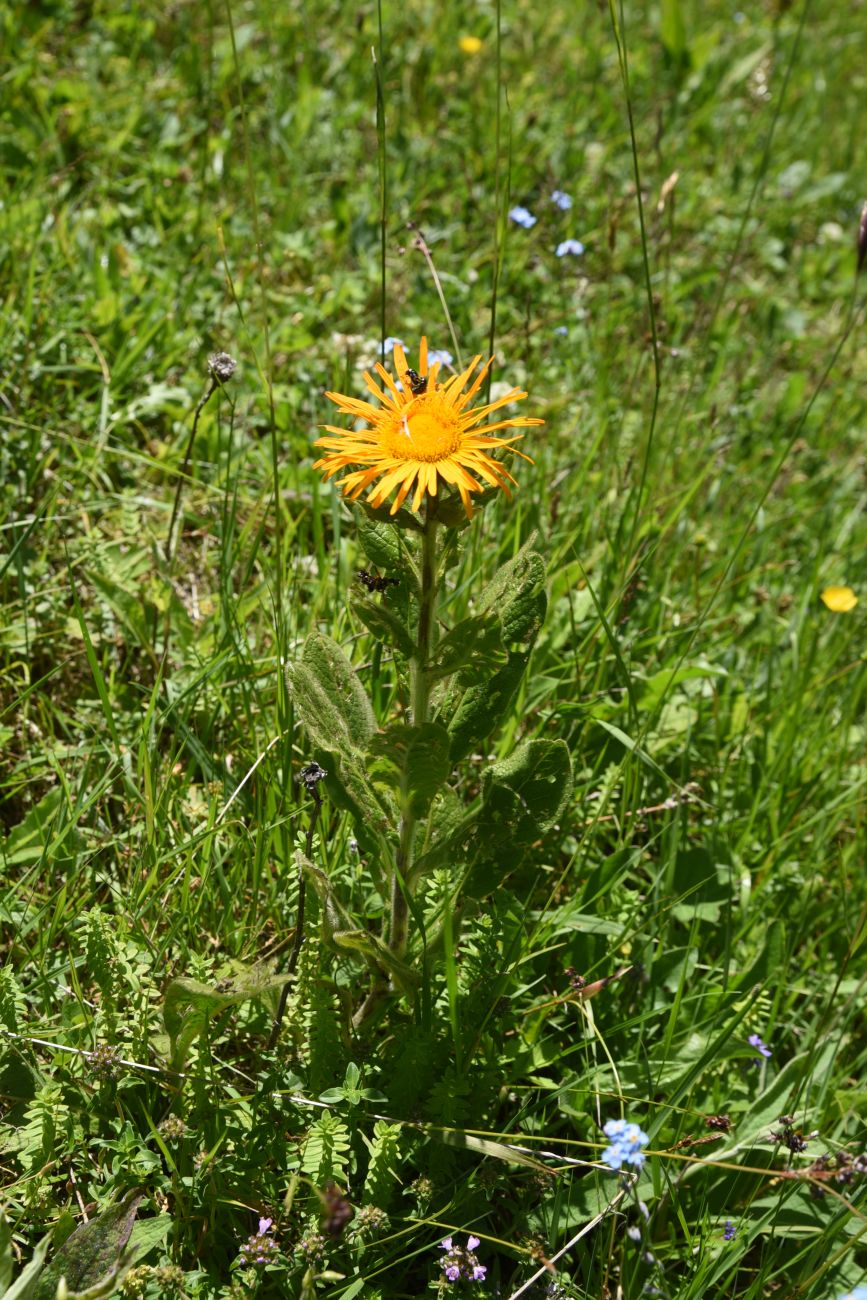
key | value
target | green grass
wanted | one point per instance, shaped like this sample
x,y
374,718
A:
x,y
173,184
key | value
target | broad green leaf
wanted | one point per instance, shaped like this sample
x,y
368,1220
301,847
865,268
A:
x,y
384,624
517,594
148,1234
475,641
379,541
476,704
382,515
474,713
526,793
447,835
329,697
92,1256
413,761
347,785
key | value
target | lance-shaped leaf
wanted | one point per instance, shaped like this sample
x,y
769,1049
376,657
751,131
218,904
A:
x,y
447,835
24,1287
189,1004
338,717
384,624
412,761
380,957
477,703
517,593
475,712
91,1259
329,697
475,641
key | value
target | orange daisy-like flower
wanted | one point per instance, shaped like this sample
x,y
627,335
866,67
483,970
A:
x,y
419,434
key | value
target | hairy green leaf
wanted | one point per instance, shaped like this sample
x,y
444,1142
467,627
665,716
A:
x,y
526,793
475,712
329,696
384,624
90,1259
413,761
476,641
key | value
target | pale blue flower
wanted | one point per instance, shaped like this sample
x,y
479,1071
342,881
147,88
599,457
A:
x,y
562,200
561,329
570,247
440,355
522,217
388,345
626,1143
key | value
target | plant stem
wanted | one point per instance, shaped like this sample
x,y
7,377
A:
x,y
420,690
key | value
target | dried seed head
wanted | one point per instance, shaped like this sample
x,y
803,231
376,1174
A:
x,y
221,366
862,239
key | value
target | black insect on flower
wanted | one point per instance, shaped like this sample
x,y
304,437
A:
x,y
417,382
790,1136
311,776
376,581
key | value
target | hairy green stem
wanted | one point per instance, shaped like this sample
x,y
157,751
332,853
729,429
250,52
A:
x,y
420,691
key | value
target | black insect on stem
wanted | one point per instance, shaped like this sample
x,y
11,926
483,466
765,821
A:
x,y
310,775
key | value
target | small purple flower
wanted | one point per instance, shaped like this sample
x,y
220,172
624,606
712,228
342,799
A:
x,y
755,1041
570,248
440,355
460,1262
562,201
562,329
729,1231
522,217
265,1225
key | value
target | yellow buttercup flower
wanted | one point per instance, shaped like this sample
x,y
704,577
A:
x,y
470,44
839,599
419,434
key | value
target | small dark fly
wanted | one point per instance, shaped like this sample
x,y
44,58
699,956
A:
x,y
417,382
375,581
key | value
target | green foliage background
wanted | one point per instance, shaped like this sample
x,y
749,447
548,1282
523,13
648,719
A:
x,y
184,178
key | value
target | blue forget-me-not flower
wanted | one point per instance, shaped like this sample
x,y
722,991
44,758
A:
x,y
522,217
570,247
626,1143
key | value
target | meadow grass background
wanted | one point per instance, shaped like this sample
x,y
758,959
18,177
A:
x,y
186,177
